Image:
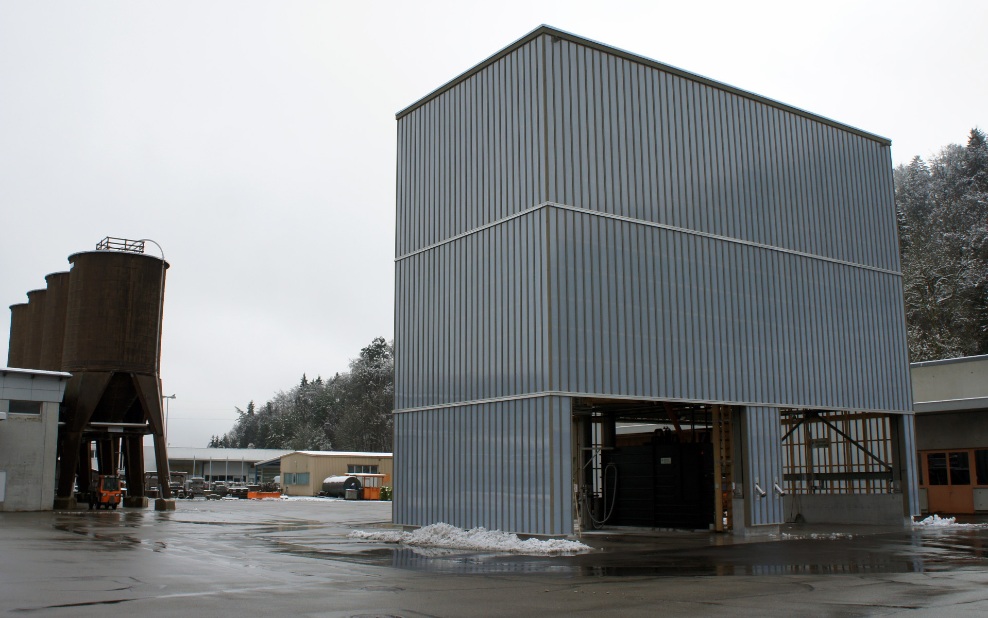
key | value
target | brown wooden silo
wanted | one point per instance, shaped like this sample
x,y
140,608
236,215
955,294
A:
x,y
112,348
54,321
20,319
113,314
35,328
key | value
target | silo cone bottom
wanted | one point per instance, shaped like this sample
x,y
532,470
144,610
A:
x,y
138,502
164,504
64,504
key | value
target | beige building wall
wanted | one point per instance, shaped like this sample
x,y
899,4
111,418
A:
x,y
320,465
949,380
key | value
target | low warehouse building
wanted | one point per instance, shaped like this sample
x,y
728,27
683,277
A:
x,y
230,465
29,401
303,472
587,238
951,402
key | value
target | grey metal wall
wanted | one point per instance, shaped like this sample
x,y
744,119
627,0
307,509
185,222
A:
x,y
474,154
502,465
470,317
572,220
745,252
641,310
642,142
762,438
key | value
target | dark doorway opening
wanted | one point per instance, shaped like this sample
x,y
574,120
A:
x,y
653,464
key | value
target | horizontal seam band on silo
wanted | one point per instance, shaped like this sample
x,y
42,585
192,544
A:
x,y
652,224
571,394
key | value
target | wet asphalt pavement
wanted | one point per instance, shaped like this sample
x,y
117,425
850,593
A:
x,y
237,557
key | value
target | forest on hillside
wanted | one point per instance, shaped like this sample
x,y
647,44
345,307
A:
x,y
350,411
942,215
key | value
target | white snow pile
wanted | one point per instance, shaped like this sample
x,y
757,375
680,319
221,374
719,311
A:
x,y
935,521
450,537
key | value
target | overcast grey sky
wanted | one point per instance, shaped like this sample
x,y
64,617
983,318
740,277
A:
x,y
255,141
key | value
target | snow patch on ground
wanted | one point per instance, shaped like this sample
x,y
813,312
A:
x,y
935,521
450,537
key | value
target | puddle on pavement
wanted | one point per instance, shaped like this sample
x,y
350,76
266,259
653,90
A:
x,y
903,552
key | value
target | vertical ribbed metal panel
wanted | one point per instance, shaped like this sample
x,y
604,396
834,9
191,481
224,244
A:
x,y
470,317
644,311
472,155
763,465
683,153
502,465
908,451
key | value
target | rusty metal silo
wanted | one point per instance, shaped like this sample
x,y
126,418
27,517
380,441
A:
x,y
20,319
112,348
54,321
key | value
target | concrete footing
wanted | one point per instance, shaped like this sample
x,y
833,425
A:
x,y
163,504
64,504
137,502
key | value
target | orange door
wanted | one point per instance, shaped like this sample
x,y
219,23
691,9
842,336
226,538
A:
x,y
948,480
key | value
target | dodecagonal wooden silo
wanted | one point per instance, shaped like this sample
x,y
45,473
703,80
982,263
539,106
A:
x,y
112,347
19,335
35,328
54,321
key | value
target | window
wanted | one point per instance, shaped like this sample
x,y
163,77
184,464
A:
x,y
981,465
960,469
289,478
296,478
937,464
24,407
361,469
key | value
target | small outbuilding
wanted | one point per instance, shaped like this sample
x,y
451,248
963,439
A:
x,y
29,401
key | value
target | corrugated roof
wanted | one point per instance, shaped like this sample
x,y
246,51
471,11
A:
x,y
250,455
342,454
560,34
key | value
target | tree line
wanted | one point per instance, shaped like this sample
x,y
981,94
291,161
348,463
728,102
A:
x,y
942,214
349,412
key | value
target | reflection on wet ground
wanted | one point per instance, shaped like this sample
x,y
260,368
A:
x,y
303,534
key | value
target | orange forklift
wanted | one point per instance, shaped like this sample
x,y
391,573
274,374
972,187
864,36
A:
x,y
105,493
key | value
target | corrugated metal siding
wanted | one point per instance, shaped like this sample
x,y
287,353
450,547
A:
x,y
474,154
911,469
503,465
645,311
470,317
633,140
763,464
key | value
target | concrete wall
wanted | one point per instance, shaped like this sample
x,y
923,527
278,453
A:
x,y
872,509
28,441
952,430
955,378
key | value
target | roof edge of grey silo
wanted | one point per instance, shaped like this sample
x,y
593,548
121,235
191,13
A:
x,y
637,58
